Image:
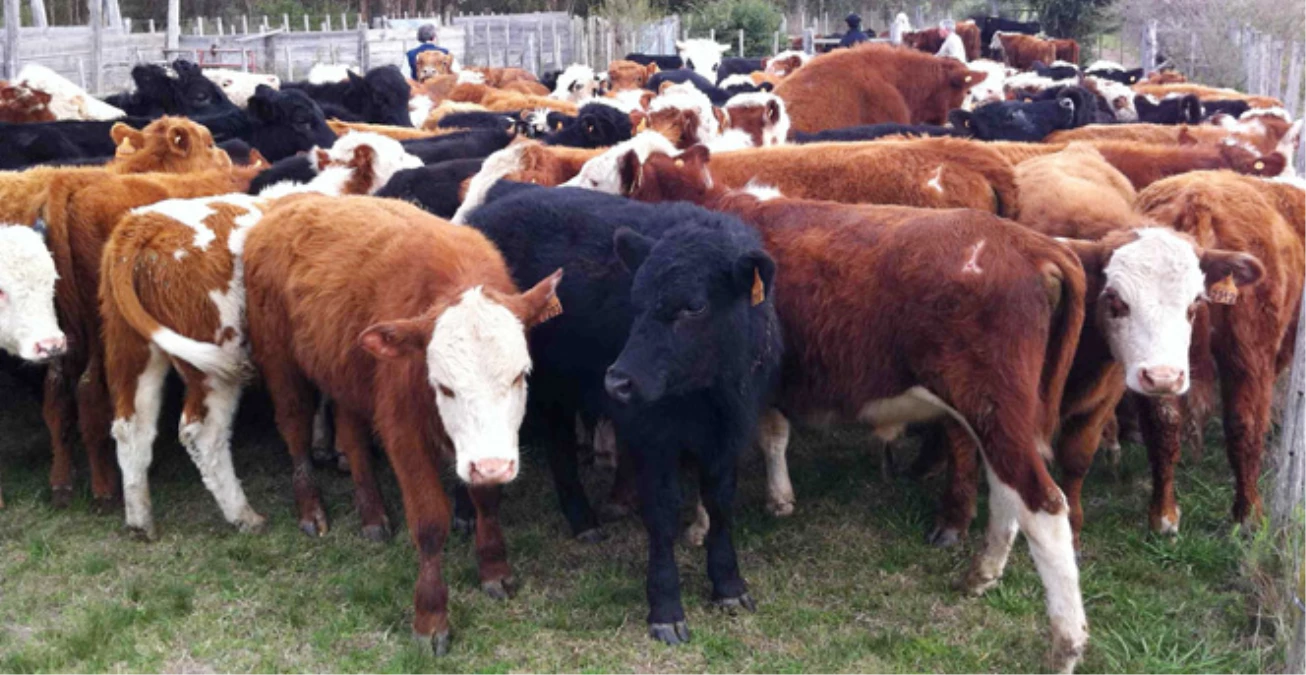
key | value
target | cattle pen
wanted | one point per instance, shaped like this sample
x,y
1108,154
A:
x,y
604,338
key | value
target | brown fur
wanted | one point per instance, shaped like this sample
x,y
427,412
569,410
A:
x,y
1163,134
624,75
398,133
880,172
502,77
1206,93
1066,50
1074,193
970,38
1021,51
432,63
321,271
1165,77
871,84
498,100
20,104
1248,343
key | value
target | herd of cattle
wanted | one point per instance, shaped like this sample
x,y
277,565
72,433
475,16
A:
x,y
682,255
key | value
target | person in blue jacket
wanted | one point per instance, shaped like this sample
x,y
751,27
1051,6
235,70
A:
x,y
426,36
854,34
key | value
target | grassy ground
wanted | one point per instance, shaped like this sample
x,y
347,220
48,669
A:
x,y
846,584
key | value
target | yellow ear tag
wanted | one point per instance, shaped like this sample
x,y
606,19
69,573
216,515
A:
x,y
554,308
1259,165
1223,292
680,163
126,148
968,79
643,124
759,291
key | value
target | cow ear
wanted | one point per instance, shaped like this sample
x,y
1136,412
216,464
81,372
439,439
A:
x,y
1226,271
260,104
697,155
1093,256
396,339
1269,165
355,79
631,247
968,78
754,275
722,119
257,160
631,172
179,140
773,111
1186,137
638,121
127,139
540,303
652,69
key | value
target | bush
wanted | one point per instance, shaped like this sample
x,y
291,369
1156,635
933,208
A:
x,y
760,19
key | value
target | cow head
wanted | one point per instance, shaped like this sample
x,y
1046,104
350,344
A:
x,y
626,75
951,93
287,122
702,56
381,96
474,350
597,125
1153,281
603,173
576,84
28,328
695,292
663,178
360,163
20,104
684,115
168,144
196,94
433,62
761,115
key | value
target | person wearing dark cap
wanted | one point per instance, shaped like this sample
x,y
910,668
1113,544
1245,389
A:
x,y
426,36
854,34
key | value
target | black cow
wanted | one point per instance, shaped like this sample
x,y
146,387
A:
x,y
717,95
480,119
283,123
379,97
1064,71
989,25
1124,76
434,188
868,132
63,142
1232,107
737,87
664,61
596,125
458,145
1018,121
294,169
1089,107
190,93
734,65
669,329
1184,109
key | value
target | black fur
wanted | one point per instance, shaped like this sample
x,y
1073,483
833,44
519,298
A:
x,y
379,97
868,132
596,125
1029,122
734,65
295,169
664,61
434,188
458,145
1232,107
1184,109
718,96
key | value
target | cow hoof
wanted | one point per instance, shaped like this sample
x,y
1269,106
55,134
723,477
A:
x,y
500,589
671,634
316,526
379,533
436,644
104,506
593,535
977,583
143,533
464,526
612,511
943,537
1166,525
780,509
61,497
252,523
694,536
1066,650
325,456
732,605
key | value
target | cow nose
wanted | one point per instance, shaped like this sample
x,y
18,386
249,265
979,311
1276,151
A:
x,y
492,471
51,347
1161,379
619,385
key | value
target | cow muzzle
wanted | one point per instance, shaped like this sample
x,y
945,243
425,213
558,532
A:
x,y
619,385
47,348
492,471
1162,380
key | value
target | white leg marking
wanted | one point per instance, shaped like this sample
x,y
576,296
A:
x,y
135,441
773,440
987,567
972,263
208,441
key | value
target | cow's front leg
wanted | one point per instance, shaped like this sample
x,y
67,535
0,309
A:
x,y
491,551
659,496
717,487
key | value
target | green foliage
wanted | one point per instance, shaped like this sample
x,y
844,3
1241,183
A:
x,y
759,19
1076,19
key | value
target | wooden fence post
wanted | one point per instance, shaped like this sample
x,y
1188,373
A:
x,y
775,43
244,24
1293,97
305,23
199,25
807,41
557,45
364,57
1289,472
13,17
38,13
150,25
173,37
218,22
97,47
741,43
507,39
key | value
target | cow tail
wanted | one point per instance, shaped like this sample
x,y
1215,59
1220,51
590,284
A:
x,y
1006,199
118,287
1064,280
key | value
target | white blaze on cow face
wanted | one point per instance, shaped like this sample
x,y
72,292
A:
x,y
603,173
577,84
28,328
1153,285
477,362
702,56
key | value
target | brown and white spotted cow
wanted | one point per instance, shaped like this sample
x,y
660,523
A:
x,y
947,274
414,328
172,295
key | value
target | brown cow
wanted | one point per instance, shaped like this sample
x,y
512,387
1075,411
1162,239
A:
x,y
413,327
20,104
432,63
172,291
871,84
80,212
1021,51
1066,50
970,38
1263,133
625,75
935,271
1247,339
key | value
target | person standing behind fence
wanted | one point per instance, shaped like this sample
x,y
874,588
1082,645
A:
x,y
426,36
854,34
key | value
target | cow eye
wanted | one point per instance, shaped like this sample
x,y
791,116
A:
x,y
693,310
1116,308
445,391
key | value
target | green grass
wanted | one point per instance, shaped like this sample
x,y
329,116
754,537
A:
x,y
846,584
